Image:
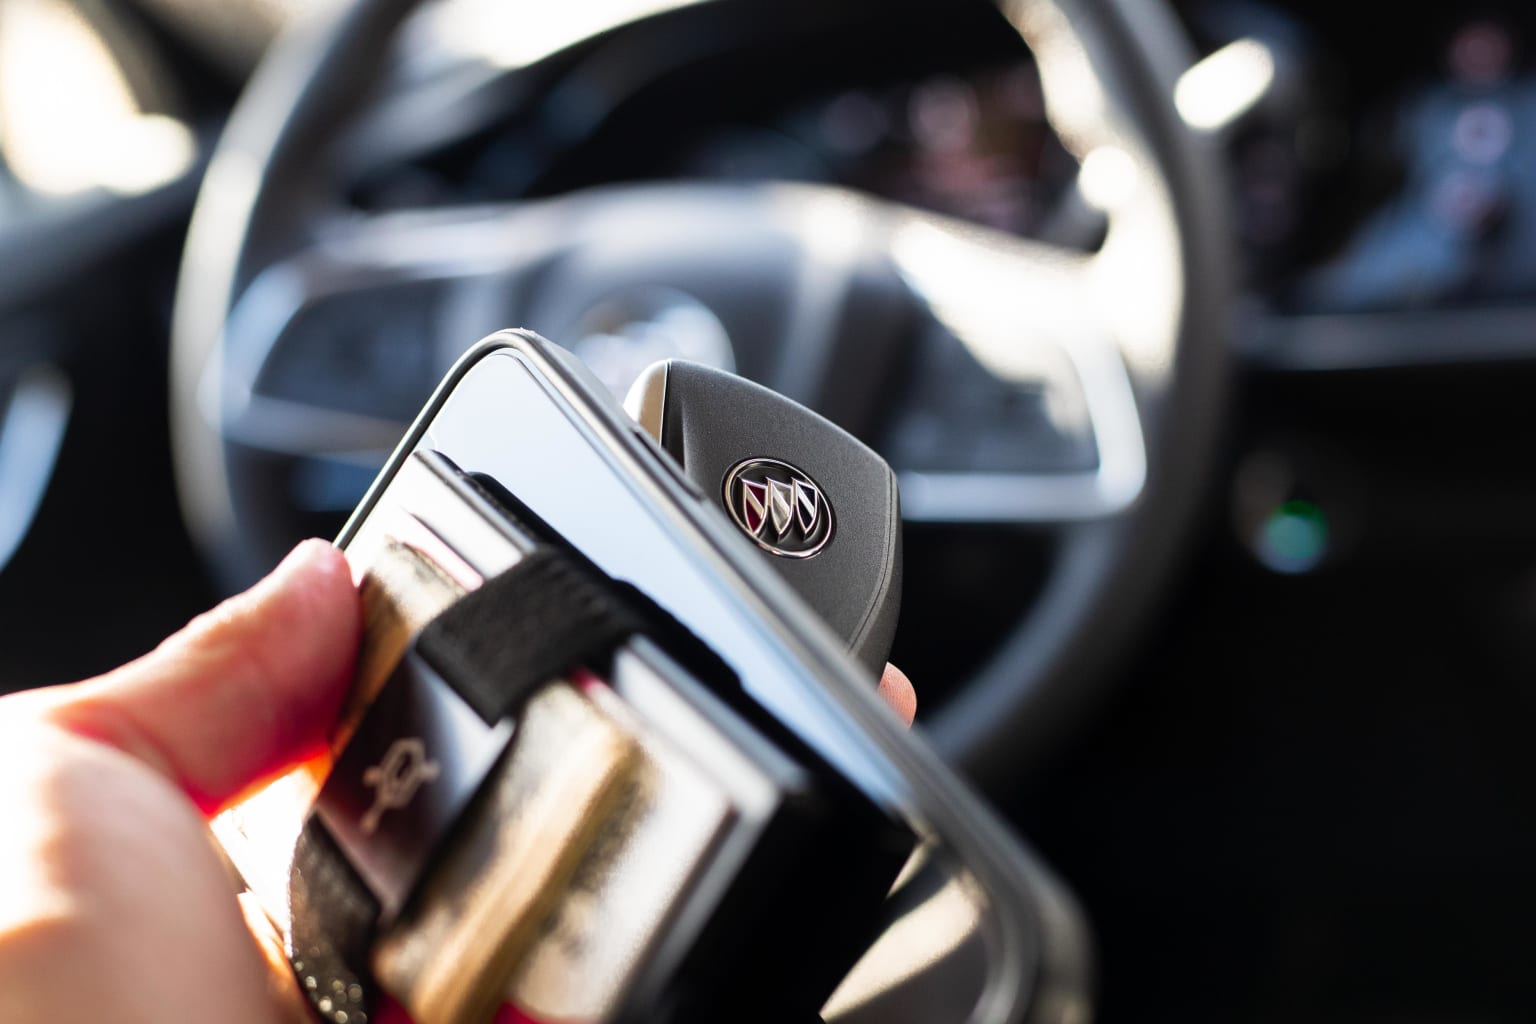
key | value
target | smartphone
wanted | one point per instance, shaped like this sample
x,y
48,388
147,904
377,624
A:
x,y
755,802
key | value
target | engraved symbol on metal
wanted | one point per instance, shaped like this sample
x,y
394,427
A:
x,y
404,769
779,507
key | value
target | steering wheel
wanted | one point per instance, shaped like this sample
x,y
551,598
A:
x,y
286,295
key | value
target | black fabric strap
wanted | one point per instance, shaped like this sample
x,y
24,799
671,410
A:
x,y
517,631
333,917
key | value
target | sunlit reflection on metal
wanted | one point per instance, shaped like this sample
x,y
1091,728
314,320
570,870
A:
x,y
1224,86
926,935
1137,279
31,432
68,117
508,35
1075,103
259,834
1109,178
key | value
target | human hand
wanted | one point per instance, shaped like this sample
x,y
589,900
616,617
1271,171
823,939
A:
x,y
115,904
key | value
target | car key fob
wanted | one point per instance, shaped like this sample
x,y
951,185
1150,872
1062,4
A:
x,y
821,505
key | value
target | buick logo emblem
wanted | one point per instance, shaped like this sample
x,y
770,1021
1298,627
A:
x,y
779,507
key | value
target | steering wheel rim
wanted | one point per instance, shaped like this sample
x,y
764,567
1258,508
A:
x,y
1108,67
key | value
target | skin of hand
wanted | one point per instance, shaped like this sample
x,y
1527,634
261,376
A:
x,y
115,904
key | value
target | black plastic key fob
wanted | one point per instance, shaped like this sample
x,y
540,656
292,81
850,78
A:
x,y
821,504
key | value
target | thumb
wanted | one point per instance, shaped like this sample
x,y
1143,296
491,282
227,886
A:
x,y
241,693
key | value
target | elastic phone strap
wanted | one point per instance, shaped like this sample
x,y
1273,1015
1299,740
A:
x,y
521,629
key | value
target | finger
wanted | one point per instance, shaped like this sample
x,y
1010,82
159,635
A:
x,y
896,689
239,694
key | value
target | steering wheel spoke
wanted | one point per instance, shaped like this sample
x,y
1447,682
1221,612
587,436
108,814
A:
x,y
333,348
1023,409
284,427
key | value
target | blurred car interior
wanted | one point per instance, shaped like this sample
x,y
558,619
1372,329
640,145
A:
x,y
1301,789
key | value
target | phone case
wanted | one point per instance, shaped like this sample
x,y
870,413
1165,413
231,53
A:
x,y
790,797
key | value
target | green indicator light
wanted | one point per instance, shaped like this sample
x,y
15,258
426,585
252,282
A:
x,y
1294,539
